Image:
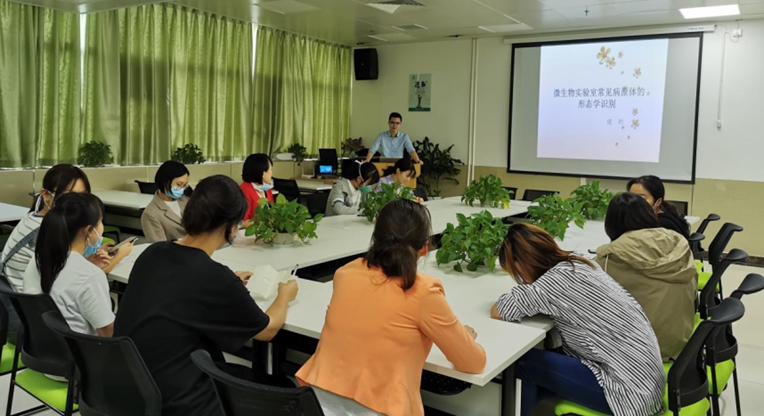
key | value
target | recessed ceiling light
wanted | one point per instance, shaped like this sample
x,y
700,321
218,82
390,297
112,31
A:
x,y
711,11
391,6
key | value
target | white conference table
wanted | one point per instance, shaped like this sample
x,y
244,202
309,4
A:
x,y
10,212
124,199
313,186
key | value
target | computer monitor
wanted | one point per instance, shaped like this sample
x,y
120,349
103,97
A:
x,y
325,169
328,157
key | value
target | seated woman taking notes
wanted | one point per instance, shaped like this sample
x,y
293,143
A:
x,y
402,172
382,321
656,266
180,300
611,361
69,233
347,192
257,175
161,220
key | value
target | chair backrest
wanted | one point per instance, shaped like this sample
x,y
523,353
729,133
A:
x,y
706,221
719,243
753,283
287,187
245,398
41,349
681,206
149,188
114,380
687,378
709,297
3,319
534,194
694,240
512,192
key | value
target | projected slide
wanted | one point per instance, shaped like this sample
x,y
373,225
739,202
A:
x,y
602,101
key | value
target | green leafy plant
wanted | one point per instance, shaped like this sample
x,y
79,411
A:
x,y
94,154
298,151
283,217
476,240
488,191
189,154
374,201
351,146
593,199
554,214
438,165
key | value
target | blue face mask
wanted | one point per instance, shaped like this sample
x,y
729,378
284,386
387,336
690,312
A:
x,y
264,187
92,248
366,189
176,193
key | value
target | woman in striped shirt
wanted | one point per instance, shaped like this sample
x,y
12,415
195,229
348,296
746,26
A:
x,y
611,361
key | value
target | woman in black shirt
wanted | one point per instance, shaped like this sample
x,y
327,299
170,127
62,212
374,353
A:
x,y
179,300
652,190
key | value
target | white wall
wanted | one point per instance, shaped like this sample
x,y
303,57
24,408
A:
x,y
733,152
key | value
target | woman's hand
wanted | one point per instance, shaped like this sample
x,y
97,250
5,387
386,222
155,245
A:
x,y
471,331
244,276
101,259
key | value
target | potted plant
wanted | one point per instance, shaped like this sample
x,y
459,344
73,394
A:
x,y
476,240
488,191
299,152
94,154
593,199
279,222
438,165
189,154
374,201
554,214
351,146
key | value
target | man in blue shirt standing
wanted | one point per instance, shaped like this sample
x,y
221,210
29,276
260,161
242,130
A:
x,y
392,143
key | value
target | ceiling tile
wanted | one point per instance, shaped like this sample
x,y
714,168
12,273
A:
x,y
754,8
562,4
645,6
542,19
514,6
286,6
680,4
590,12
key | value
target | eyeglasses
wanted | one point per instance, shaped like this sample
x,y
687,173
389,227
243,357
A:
x,y
395,123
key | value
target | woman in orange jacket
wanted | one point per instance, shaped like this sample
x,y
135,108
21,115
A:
x,y
382,321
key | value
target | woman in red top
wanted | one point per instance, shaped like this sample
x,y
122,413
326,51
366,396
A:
x,y
257,175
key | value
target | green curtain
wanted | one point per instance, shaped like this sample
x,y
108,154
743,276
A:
x,y
302,92
39,86
210,83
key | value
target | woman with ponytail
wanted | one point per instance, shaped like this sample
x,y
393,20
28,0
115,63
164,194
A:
x,y
347,194
652,190
402,172
69,233
382,321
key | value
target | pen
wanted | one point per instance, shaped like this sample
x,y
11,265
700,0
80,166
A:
x,y
294,271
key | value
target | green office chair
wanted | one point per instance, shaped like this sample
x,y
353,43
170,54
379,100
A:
x,y
687,384
715,252
115,231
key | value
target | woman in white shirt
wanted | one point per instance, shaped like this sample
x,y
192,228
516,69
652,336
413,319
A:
x,y
347,192
402,172
161,220
70,233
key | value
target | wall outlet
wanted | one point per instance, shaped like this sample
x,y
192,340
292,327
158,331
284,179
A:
x,y
737,33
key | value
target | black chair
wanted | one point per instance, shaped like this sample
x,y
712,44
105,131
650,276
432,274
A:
x,y
113,379
287,187
710,297
245,398
681,206
702,230
722,352
716,251
149,188
5,367
512,192
43,352
534,194
694,241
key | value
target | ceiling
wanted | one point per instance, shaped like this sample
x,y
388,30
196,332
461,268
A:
x,y
353,22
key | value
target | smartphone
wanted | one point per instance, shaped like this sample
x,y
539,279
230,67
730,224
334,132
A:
x,y
592,251
112,251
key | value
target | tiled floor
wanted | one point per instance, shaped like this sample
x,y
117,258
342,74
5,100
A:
x,y
750,364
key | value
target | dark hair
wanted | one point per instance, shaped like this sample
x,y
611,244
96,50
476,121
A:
x,y
60,179
71,213
167,173
403,228
217,201
395,115
628,212
254,167
405,165
535,250
365,171
654,185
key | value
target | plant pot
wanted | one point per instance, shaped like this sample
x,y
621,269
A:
x,y
283,239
